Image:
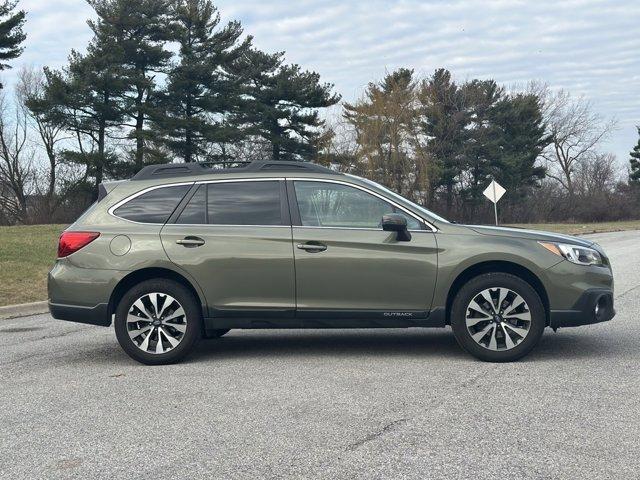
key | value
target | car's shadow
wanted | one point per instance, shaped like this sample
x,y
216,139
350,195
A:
x,y
423,344
399,343
339,343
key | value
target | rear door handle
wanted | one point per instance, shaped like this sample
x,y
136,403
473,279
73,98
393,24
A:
x,y
312,247
190,242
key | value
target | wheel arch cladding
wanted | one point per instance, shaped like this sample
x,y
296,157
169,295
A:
x,y
497,266
151,273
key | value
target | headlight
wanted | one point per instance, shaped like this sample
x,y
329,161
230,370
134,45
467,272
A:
x,y
574,253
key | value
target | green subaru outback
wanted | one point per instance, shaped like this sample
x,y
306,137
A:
x,y
181,252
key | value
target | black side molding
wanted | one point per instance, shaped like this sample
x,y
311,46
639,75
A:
x,y
324,319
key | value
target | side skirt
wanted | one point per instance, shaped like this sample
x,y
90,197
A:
x,y
326,319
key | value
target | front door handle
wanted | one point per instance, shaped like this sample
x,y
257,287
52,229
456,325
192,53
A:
x,y
190,242
312,247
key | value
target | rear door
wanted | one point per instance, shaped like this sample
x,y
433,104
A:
x,y
234,238
347,267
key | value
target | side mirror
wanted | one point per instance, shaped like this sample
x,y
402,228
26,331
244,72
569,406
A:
x,y
394,222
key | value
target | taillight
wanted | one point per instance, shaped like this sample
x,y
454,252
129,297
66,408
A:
x,y
71,242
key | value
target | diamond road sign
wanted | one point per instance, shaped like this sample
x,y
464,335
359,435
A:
x,y
494,191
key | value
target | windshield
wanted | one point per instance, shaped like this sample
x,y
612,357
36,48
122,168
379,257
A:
x,y
395,196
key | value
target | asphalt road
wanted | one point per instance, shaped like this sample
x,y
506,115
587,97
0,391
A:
x,y
326,404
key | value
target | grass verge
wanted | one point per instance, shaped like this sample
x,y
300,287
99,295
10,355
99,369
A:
x,y
27,254
582,228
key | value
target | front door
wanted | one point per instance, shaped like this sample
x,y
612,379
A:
x,y
234,238
347,267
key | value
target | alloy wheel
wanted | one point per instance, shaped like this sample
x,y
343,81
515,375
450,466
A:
x,y
156,323
498,318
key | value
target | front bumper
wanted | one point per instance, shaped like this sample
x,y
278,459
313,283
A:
x,y
594,306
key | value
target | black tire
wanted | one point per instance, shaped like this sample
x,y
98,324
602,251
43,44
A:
x,y
488,281
193,316
213,334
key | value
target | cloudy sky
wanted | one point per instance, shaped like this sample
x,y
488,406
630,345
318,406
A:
x,y
589,47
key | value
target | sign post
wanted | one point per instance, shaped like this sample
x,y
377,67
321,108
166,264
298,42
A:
x,y
494,192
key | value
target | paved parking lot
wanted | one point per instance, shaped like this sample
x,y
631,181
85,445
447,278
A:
x,y
326,404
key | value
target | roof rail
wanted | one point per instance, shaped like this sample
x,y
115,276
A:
x,y
188,169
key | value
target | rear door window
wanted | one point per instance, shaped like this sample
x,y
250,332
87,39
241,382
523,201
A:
x,y
244,203
235,203
154,206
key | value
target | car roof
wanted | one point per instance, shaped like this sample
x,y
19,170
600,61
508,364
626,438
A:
x,y
179,170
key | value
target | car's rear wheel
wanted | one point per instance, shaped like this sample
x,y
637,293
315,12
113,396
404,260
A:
x,y
158,322
497,317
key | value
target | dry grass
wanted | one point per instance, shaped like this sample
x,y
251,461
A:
x,y
27,253
582,228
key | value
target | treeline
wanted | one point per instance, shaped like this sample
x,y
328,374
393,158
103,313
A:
x,y
161,81
441,143
167,81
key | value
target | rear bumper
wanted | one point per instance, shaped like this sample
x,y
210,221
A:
x,y
81,294
97,315
584,310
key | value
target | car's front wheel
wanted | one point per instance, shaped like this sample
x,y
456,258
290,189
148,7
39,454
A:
x,y
497,317
158,322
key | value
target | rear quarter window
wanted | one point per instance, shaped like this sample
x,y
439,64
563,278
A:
x,y
154,206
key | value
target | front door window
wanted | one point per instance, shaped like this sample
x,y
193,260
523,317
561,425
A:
x,y
334,205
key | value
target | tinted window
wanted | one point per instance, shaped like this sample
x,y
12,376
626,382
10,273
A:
x,y
244,203
195,211
336,205
154,206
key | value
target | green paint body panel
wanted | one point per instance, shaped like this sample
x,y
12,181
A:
x,y
240,267
243,274
365,269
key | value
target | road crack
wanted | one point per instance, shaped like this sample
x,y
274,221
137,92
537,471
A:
x,y
389,427
627,291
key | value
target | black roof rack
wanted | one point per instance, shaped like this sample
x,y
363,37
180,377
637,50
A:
x,y
188,169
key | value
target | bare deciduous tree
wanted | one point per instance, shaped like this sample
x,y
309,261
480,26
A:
x,y
576,131
16,162
596,175
30,94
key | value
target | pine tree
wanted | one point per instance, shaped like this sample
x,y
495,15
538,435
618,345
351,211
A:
x,y
136,33
204,87
11,34
634,174
383,122
282,106
481,143
84,97
519,139
444,118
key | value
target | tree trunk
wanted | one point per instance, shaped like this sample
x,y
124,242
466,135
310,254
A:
x,y
139,134
100,163
570,188
51,190
188,137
